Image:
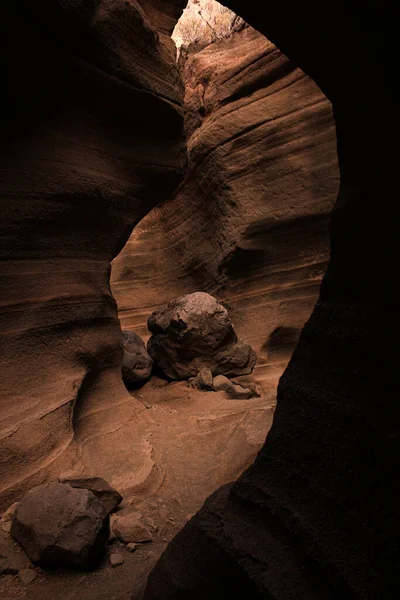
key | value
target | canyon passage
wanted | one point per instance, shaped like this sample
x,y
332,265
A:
x,y
198,303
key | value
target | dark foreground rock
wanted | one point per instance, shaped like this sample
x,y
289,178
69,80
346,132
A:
x,y
61,526
136,364
109,497
193,332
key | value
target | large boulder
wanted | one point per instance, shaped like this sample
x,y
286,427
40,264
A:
x,y
58,525
136,364
193,332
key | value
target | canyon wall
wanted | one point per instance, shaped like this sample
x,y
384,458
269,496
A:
x,y
91,141
316,516
250,222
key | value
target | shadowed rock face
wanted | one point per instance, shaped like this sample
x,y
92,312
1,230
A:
x,y
91,140
249,224
316,516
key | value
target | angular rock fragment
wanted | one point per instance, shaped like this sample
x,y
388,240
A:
x,y
116,559
137,364
99,487
9,513
129,528
234,391
193,332
203,380
27,576
59,525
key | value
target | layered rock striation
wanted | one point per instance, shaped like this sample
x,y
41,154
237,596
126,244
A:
x,y
249,224
91,141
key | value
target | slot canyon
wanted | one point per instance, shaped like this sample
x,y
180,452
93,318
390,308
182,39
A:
x,y
199,346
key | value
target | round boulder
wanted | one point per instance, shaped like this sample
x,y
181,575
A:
x,y
193,332
136,364
61,526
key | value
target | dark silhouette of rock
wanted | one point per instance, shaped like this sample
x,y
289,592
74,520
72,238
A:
x,y
109,497
193,332
203,380
136,364
61,526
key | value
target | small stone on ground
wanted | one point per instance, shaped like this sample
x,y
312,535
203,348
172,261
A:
x,y
26,576
116,559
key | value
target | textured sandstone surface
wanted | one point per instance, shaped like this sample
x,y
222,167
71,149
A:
x,y
91,140
249,224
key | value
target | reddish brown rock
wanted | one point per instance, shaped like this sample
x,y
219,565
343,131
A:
x,y
250,223
96,146
195,332
61,526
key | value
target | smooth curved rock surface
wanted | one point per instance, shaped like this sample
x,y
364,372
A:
x,y
61,526
91,141
195,332
316,516
250,223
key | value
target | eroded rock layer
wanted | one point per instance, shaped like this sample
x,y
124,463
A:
x,y
250,222
91,140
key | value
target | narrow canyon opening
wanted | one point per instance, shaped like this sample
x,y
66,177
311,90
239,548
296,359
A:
x,y
248,225
134,456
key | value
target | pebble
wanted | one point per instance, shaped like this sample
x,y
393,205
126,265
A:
x,y
116,560
132,547
188,517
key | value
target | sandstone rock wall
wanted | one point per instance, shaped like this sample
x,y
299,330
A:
x,y
91,141
249,224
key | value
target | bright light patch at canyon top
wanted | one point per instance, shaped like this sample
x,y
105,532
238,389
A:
x,y
204,22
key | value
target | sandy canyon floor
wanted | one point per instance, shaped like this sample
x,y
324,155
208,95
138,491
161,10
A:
x,y
196,442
